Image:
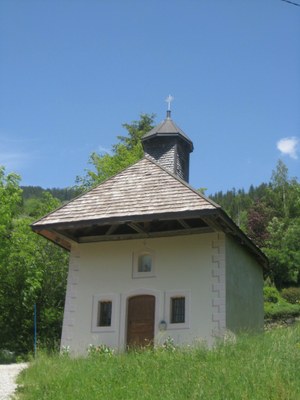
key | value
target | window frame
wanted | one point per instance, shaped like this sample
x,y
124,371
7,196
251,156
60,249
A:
x,y
168,309
97,300
173,314
135,265
103,319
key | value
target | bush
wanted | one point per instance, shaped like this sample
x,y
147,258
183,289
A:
x,y
281,310
292,295
271,294
7,357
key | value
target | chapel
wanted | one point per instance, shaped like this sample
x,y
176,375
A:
x,y
152,258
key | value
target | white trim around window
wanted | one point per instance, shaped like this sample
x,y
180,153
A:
x,y
143,263
104,298
178,294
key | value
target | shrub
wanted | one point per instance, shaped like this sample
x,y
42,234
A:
x,y
281,310
271,294
292,295
7,357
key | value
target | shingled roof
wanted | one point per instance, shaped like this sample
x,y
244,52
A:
x,y
144,188
168,127
144,200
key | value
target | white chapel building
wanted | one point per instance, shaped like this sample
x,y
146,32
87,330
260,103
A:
x,y
151,258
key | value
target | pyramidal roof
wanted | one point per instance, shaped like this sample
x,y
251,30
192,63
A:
x,y
142,201
143,189
166,128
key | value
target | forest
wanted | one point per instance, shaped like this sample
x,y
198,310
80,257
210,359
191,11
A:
x,y
34,271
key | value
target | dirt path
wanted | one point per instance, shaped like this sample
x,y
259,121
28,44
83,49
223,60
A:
x,y
8,375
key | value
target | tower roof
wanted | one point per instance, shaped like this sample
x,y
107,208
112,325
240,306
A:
x,y
168,128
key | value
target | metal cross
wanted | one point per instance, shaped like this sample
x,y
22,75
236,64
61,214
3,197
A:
x,y
169,99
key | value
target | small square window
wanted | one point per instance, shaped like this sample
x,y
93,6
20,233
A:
x,y
105,310
104,313
177,310
145,263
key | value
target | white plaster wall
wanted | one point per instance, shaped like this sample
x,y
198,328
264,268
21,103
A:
x,y
244,289
70,310
182,263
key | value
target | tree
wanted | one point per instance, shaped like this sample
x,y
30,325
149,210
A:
x,y
10,199
124,153
283,244
35,271
259,215
283,251
37,207
32,270
279,186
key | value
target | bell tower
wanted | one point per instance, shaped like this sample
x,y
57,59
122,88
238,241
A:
x,y
169,146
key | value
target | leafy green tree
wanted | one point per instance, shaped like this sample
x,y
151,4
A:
x,y
283,251
37,207
283,244
35,272
10,200
124,153
283,192
32,270
294,198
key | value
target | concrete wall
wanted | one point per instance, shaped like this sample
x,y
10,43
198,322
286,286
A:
x,y
244,289
183,264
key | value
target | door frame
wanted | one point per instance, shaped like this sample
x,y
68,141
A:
x,y
136,314
124,308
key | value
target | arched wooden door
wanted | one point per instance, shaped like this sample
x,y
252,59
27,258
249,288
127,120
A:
x,y
140,320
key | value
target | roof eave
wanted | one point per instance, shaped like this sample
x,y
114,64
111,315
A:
x,y
219,219
234,230
122,219
166,134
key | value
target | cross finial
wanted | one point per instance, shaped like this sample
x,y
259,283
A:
x,y
169,100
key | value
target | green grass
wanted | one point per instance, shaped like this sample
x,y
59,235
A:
x,y
265,367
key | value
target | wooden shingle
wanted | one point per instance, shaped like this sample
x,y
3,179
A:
x,y
144,200
144,188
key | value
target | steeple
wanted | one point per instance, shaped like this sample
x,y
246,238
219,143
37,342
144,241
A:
x,y
168,145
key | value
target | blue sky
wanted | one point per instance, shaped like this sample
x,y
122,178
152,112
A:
x,y
72,71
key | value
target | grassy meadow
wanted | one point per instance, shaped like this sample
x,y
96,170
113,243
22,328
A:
x,y
253,367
